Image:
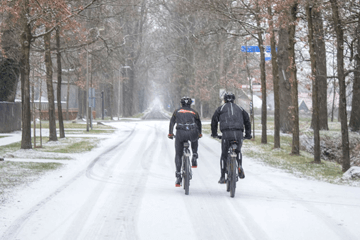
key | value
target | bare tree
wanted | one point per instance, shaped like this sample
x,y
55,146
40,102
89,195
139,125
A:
x,y
341,76
293,80
354,123
321,69
315,119
59,81
275,73
50,88
286,124
25,39
262,74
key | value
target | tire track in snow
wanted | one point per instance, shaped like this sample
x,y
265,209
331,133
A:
x,y
102,160
122,208
309,205
211,209
16,227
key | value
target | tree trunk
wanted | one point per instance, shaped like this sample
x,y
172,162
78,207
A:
x,y
321,76
315,114
50,88
355,110
275,73
112,94
67,99
25,39
128,91
333,100
59,82
341,76
294,84
263,82
84,101
80,105
286,124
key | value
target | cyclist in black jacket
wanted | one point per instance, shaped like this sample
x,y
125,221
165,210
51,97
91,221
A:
x,y
188,127
232,119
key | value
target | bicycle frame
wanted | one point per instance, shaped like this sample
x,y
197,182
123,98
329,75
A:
x,y
186,172
232,168
186,167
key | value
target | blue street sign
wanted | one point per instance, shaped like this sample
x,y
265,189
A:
x,y
255,49
250,49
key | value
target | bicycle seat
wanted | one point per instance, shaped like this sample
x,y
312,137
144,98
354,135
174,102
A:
x,y
186,144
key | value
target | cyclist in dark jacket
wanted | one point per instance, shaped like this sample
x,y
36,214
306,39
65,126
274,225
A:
x,y
188,127
232,119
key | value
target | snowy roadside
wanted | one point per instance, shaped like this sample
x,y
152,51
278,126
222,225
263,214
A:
x,y
20,168
299,166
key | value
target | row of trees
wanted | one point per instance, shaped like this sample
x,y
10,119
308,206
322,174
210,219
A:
x,y
167,49
205,38
95,40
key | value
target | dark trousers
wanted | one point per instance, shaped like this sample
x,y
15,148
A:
x,y
227,137
181,137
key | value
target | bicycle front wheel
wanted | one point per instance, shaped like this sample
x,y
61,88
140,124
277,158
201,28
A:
x,y
232,177
186,175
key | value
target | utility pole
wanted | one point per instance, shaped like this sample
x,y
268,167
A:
x,y
102,105
87,88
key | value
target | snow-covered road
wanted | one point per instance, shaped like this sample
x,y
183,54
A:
x,y
126,190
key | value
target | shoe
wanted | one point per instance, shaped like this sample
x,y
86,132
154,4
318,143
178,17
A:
x,y
194,160
241,172
222,180
178,182
178,179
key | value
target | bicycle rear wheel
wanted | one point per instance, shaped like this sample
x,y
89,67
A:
x,y
186,175
228,173
232,177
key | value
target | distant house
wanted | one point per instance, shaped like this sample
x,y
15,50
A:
x,y
303,106
243,100
305,101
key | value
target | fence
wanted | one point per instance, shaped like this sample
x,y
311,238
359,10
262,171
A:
x,y
10,117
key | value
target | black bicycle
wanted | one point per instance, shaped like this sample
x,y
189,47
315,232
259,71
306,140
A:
x,y
186,172
232,168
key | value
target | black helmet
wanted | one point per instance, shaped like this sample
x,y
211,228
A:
x,y
229,97
186,101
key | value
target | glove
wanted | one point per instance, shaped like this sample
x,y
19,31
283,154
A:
x,y
170,136
200,135
248,136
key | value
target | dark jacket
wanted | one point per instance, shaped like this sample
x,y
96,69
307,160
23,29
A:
x,y
186,119
231,118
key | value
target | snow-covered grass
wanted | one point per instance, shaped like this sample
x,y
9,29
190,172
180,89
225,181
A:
x,y
9,148
97,131
23,166
70,145
301,166
71,125
138,115
14,174
63,145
